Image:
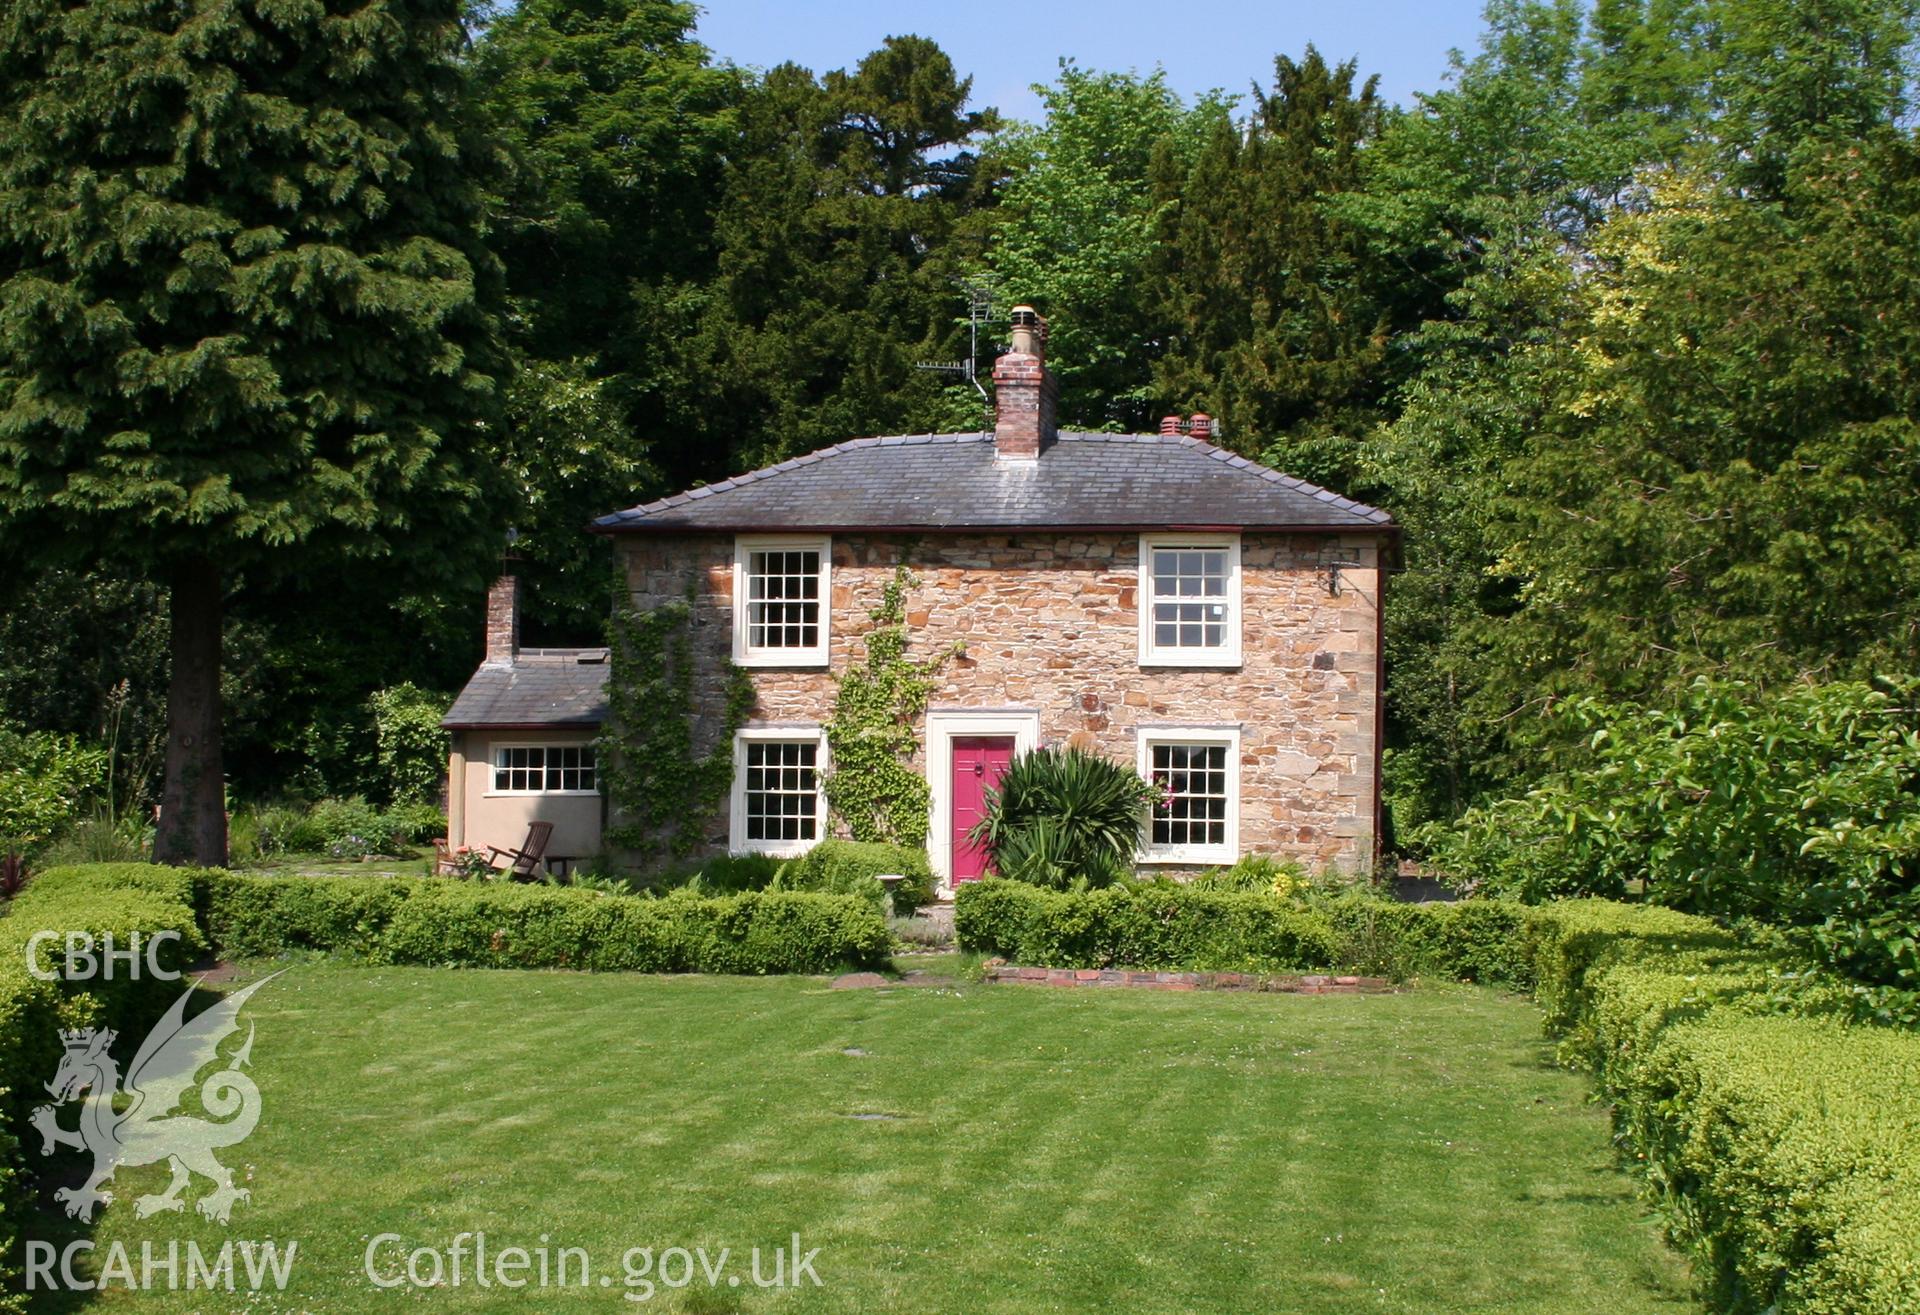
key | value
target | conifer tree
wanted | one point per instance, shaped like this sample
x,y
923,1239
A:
x,y
836,264
246,321
1274,326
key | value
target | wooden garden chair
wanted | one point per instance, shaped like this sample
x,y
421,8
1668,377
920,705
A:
x,y
525,865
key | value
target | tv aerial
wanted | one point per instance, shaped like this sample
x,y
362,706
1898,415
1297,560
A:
x,y
979,295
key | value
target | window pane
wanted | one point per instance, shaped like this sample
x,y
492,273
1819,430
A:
x,y
783,593
1193,787
1181,574
782,790
544,768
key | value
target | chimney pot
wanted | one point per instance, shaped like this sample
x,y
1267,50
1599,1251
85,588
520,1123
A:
x,y
1170,424
1201,426
1026,395
1029,332
503,621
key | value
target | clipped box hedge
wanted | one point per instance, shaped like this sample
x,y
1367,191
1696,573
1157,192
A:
x,y
1164,925
1141,925
33,1011
1481,941
1783,1140
443,922
541,927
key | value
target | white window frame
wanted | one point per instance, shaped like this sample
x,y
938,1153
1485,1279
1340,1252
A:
x,y
737,840
1152,655
1228,851
744,654
493,758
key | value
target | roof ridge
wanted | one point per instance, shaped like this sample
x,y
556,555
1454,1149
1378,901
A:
x,y
659,507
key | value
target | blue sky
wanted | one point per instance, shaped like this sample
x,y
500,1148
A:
x,y
1010,44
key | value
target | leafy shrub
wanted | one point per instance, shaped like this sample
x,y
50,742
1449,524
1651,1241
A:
x,y
353,828
410,747
101,838
1157,924
598,882
341,828
416,823
1062,816
43,779
1795,807
263,831
854,866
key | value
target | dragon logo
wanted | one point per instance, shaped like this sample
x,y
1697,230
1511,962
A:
x,y
152,1127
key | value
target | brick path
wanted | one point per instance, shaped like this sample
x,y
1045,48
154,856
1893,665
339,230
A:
x,y
1292,983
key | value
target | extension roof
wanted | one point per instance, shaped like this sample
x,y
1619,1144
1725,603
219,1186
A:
x,y
541,689
926,482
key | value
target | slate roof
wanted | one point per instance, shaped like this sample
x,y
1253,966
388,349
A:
x,y
953,482
539,688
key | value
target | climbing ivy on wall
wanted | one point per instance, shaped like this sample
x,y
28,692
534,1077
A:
x,y
662,793
873,788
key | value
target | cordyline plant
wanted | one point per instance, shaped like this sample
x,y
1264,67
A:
x,y
1062,816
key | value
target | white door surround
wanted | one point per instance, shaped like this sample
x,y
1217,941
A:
x,y
944,725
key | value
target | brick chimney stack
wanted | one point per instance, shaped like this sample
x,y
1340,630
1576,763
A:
x,y
503,621
1026,395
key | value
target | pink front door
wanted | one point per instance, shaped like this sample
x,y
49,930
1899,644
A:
x,y
979,761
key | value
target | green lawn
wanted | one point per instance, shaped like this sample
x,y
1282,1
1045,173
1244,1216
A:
x,y
1043,1150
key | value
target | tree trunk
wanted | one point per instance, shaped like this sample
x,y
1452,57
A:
x,y
193,803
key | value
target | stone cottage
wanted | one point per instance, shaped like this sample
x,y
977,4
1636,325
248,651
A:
x,y
1150,596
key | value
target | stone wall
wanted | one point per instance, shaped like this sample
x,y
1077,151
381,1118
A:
x,y
1050,623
